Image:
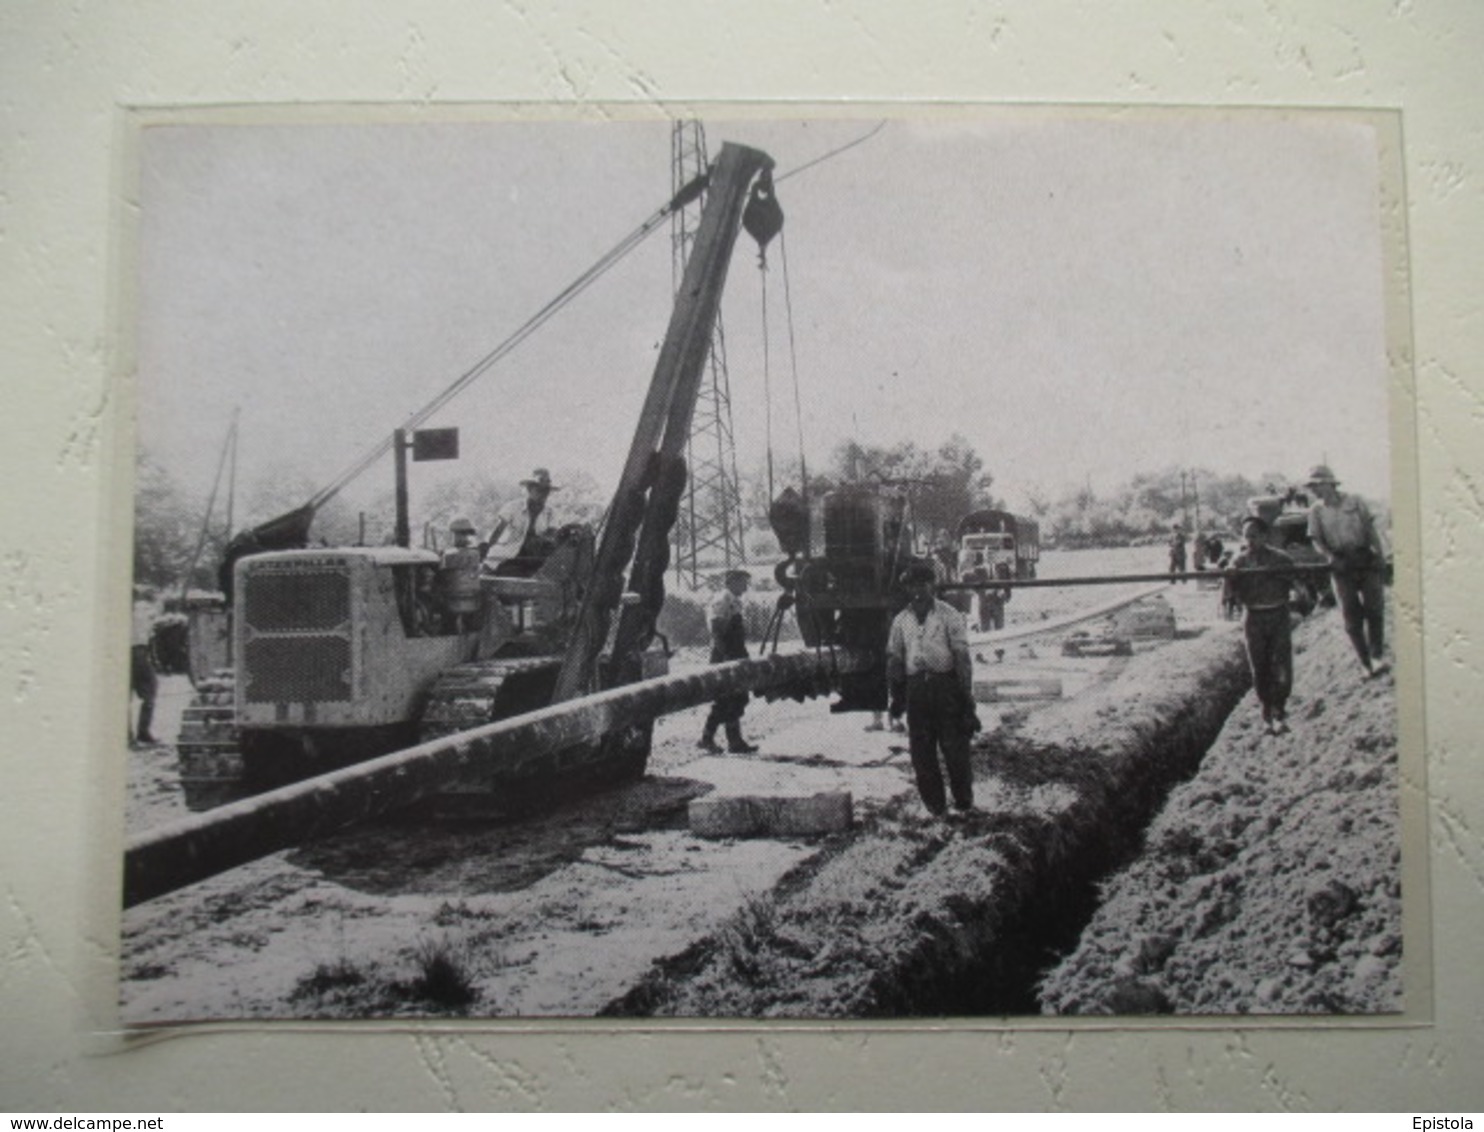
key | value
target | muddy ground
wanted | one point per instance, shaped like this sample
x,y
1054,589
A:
x,y
611,906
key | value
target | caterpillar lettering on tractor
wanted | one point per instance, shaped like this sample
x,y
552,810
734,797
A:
x,y
342,654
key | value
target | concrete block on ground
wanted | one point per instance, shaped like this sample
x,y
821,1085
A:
x,y
1031,688
752,815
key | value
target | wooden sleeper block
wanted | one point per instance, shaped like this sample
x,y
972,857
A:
x,y
752,815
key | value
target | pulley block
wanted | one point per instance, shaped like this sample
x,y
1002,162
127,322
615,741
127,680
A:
x,y
763,216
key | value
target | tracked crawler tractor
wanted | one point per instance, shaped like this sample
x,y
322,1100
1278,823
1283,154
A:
x,y
338,655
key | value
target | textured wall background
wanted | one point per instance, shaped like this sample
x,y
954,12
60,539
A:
x,y
64,72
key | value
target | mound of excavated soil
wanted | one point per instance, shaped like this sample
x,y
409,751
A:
x,y
1271,883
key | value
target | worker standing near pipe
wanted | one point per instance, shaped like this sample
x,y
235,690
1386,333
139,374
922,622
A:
x,y
931,677
728,642
524,531
1343,529
1267,627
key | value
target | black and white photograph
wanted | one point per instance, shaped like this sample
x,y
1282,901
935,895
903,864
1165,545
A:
x,y
933,565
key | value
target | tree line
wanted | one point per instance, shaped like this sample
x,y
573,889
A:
x,y
943,484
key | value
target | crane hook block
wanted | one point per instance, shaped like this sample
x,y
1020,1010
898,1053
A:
x,y
763,217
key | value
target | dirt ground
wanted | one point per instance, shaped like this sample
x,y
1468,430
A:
x,y
1271,883
612,906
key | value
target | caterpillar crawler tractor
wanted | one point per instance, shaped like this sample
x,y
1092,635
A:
x,y
340,655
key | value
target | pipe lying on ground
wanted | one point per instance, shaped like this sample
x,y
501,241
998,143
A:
x,y
1118,579
162,860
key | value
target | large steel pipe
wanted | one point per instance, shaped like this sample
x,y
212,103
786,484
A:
x,y
162,860
1115,579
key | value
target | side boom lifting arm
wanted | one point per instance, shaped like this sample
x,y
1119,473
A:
x,y
647,500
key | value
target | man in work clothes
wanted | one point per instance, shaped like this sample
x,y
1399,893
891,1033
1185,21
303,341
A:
x,y
728,642
1267,626
1344,531
1177,550
931,677
142,679
522,537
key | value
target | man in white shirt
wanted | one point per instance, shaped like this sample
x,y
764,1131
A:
x,y
931,677
1344,531
523,533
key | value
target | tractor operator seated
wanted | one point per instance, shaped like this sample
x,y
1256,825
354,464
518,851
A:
x,y
524,534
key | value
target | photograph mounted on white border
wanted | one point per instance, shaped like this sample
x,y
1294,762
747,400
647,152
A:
x,y
930,564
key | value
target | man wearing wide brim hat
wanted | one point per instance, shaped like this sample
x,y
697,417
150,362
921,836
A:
x,y
1343,529
728,625
523,532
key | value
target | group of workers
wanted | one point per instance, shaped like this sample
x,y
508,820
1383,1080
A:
x,y
930,667
930,676
1206,551
1342,528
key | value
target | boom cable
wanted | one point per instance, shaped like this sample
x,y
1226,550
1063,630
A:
x,y
605,263
793,358
832,153
762,267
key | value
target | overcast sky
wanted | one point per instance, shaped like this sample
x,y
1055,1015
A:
x,y
1083,297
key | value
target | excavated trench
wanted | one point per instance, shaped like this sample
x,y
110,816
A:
x,y
908,917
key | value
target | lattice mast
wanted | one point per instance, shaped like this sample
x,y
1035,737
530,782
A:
x,y
708,530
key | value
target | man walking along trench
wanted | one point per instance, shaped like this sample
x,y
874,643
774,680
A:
x,y
1344,531
931,677
1267,627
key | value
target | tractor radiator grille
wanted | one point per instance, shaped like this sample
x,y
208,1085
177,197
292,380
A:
x,y
297,600
297,639
298,670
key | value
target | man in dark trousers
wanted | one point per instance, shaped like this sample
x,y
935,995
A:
x,y
1344,531
1267,626
931,677
142,679
1177,550
728,642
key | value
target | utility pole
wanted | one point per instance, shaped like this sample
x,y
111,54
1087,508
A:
x,y
708,530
